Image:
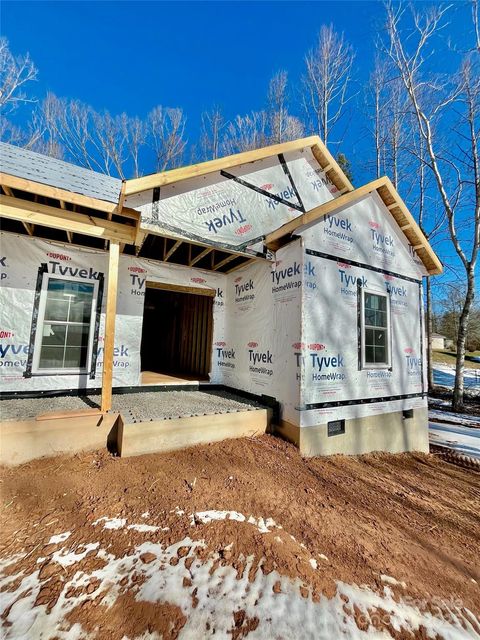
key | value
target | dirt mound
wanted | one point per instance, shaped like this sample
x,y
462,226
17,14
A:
x,y
238,538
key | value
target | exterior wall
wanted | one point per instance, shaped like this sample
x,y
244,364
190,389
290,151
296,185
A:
x,y
389,432
438,343
22,258
360,247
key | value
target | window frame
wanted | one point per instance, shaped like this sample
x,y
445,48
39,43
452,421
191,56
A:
x,y
363,326
37,347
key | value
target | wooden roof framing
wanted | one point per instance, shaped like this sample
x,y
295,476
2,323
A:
x,y
393,202
79,214
319,150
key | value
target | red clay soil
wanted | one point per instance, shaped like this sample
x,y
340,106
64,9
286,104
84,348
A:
x,y
411,516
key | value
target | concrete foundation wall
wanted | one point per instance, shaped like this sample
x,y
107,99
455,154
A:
x,y
389,432
167,435
26,440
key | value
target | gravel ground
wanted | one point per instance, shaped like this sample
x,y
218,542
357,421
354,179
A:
x,y
135,407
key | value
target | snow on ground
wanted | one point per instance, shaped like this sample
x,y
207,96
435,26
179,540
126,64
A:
x,y
209,593
464,440
444,376
449,416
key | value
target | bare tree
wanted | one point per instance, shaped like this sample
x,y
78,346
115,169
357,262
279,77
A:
x,y
327,81
455,165
166,130
15,73
212,125
246,132
377,91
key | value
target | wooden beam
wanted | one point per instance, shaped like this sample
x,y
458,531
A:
x,y
175,175
7,190
172,250
62,204
405,226
109,336
55,193
201,255
394,205
226,260
69,236
46,216
320,212
199,291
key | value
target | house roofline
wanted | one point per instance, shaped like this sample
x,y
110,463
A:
x,y
393,202
319,150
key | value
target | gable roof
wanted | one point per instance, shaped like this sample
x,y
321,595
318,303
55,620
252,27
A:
x,y
393,202
319,150
42,169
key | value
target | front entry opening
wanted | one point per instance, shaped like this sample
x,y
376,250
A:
x,y
176,335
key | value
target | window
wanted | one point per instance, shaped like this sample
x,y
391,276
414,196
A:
x,y
66,321
375,330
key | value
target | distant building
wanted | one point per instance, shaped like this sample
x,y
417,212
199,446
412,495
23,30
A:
x,y
439,341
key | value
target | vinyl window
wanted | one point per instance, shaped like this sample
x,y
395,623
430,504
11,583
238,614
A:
x,y
65,326
375,330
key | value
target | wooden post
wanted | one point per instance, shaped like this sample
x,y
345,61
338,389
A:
x,y
109,339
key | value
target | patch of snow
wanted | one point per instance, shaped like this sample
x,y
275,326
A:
x,y
220,593
111,523
61,537
205,517
313,563
66,559
145,515
322,557
392,581
143,527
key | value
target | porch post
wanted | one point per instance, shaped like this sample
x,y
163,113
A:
x,y
109,339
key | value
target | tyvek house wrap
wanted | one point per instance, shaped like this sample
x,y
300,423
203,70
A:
x,y
236,208
21,259
359,247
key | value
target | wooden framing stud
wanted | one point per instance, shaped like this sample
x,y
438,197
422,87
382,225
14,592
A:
x,y
405,226
394,205
109,337
172,250
201,255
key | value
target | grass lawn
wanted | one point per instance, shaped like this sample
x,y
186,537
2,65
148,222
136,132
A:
x,y
448,357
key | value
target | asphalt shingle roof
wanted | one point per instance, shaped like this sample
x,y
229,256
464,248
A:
x,y
30,165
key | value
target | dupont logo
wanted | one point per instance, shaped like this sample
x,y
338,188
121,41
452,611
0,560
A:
x,y
4,333
343,265
245,229
198,280
220,344
388,278
252,345
316,346
58,256
239,279
137,270
298,345
333,189
373,225
408,350
267,187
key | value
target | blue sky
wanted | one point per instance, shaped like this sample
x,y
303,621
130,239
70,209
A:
x,y
132,56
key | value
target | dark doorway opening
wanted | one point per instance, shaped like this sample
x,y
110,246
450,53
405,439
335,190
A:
x,y
176,335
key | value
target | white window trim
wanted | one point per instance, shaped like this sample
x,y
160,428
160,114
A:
x,y
373,365
40,322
